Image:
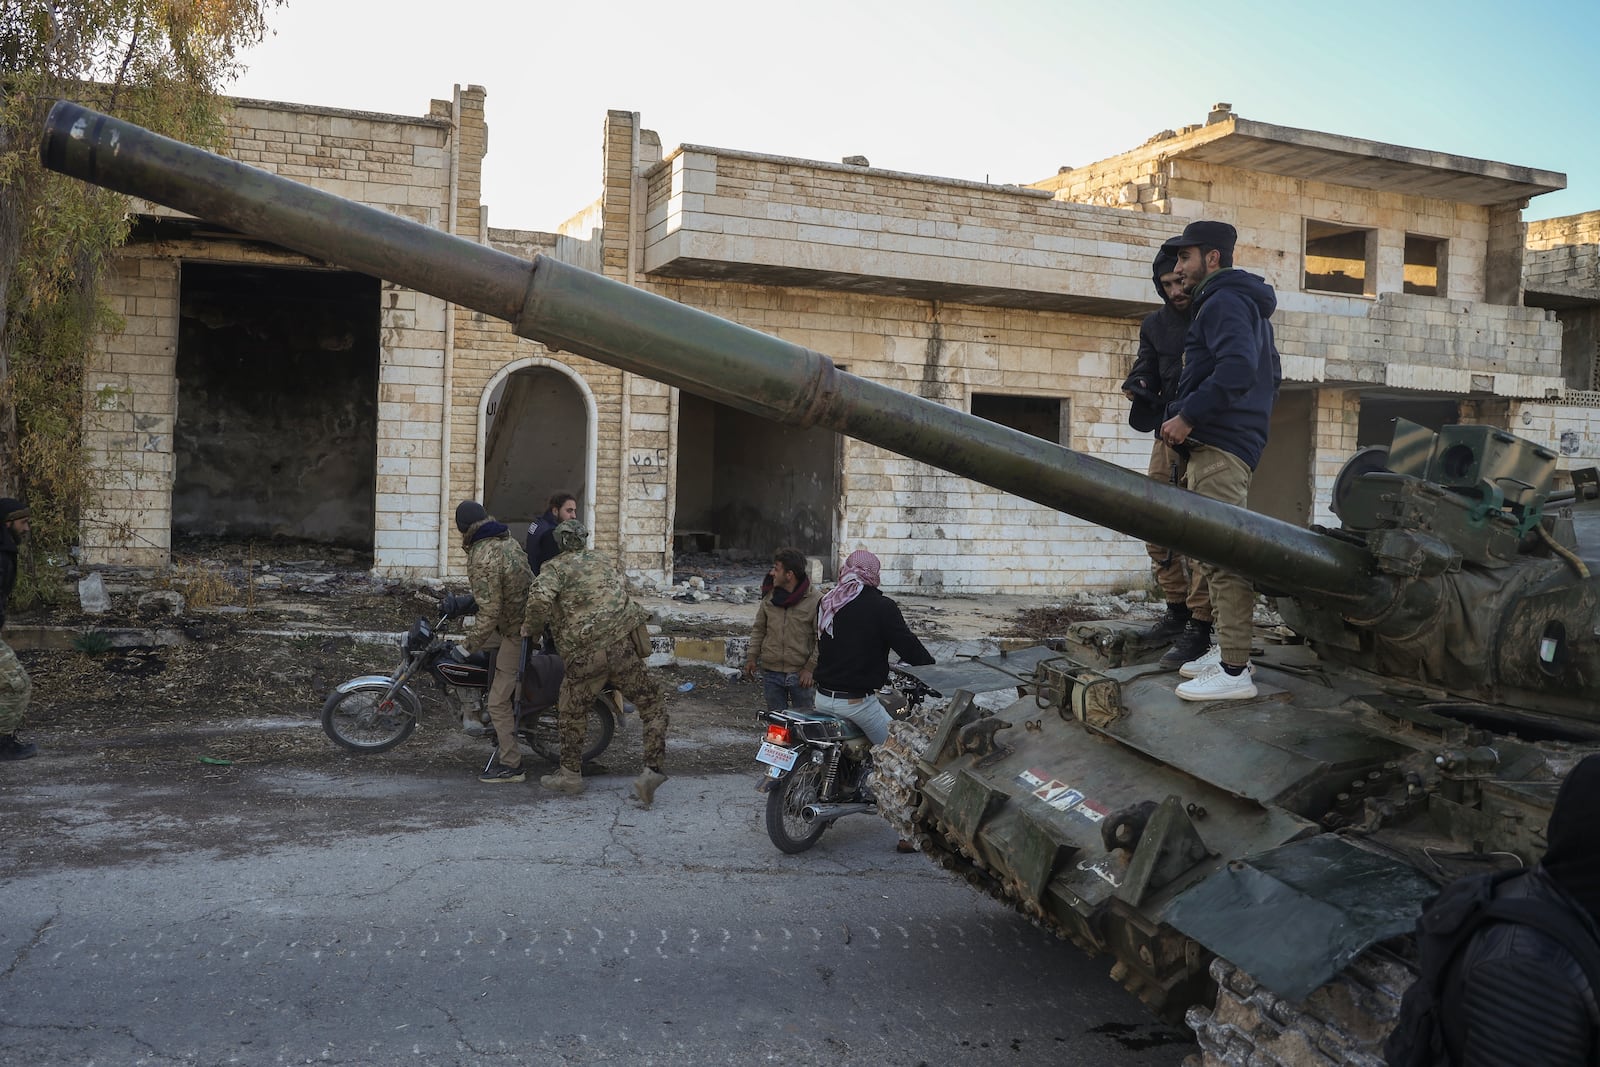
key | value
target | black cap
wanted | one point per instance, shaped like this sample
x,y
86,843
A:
x,y
12,508
467,513
1206,232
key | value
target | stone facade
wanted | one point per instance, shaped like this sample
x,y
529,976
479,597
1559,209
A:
x,y
961,292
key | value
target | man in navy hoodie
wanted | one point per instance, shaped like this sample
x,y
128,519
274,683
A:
x,y
1220,419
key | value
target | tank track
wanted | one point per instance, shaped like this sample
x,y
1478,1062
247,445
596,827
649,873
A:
x,y
895,773
1342,1023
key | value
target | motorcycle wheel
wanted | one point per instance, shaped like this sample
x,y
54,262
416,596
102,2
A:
x,y
543,732
359,720
787,798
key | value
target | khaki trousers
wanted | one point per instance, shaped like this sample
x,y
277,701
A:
x,y
1221,475
501,689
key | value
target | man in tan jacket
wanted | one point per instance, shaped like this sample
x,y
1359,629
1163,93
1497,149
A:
x,y
783,643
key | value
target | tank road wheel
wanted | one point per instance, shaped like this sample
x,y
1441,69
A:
x,y
894,777
543,732
361,720
1342,1022
789,829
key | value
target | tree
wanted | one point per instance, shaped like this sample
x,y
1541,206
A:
x,y
158,63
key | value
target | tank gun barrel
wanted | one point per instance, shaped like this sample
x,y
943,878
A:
x,y
571,309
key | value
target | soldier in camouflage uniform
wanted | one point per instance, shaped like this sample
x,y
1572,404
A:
x,y
498,572
601,634
15,687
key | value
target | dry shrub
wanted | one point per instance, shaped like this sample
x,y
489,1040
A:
x,y
201,586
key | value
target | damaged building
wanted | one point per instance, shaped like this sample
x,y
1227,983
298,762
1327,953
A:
x,y
258,395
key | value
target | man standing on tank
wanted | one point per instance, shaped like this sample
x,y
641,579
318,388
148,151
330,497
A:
x,y
1150,385
1220,421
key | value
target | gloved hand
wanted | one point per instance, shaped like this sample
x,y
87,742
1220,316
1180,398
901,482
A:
x,y
457,604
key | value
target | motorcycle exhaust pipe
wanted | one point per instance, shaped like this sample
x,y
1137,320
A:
x,y
830,812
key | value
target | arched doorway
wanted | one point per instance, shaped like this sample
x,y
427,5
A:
x,y
537,432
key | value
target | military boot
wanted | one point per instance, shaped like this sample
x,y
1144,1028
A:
x,y
1169,626
563,781
11,748
645,786
1193,643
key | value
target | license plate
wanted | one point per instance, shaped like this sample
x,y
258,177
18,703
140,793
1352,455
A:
x,y
776,755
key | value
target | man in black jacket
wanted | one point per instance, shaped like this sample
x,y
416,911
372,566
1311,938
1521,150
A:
x,y
1517,996
15,688
857,628
1220,420
542,531
1150,385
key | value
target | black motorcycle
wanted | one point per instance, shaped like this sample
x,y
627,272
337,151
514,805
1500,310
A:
x,y
819,766
375,712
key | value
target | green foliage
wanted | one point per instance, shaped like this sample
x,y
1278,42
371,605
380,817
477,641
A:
x,y
92,643
159,63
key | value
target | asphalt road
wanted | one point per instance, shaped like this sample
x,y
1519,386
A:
x,y
344,918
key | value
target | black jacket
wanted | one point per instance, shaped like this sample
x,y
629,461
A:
x,y
1230,365
542,540
1153,381
8,570
855,657
1516,997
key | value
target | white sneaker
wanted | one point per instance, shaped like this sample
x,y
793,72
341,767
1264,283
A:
x,y
1207,663
1219,685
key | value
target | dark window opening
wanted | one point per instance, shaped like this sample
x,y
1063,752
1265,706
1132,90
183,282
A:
x,y
276,431
744,487
1424,268
1340,259
1375,424
1041,416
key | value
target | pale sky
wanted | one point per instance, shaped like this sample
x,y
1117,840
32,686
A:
x,y
1005,91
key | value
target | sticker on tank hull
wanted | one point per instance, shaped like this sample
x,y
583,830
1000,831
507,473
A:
x,y
1060,796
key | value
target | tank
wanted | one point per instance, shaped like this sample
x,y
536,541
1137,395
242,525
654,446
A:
x,y
1252,866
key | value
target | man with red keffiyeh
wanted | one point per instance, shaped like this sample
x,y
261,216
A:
x,y
857,628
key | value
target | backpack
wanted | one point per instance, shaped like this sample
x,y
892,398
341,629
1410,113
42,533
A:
x,y
1447,923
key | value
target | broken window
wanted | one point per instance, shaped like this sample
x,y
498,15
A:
x,y
1041,416
1424,265
1340,258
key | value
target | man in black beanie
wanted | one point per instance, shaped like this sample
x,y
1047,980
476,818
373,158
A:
x,y
1516,994
497,570
1150,384
15,688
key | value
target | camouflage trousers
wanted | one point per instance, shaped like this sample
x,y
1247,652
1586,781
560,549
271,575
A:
x,y
15,688
588,672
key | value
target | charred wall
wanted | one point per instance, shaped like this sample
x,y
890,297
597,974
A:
x,y
276,431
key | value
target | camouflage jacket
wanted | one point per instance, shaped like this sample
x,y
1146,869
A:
x,y
498,572
580,595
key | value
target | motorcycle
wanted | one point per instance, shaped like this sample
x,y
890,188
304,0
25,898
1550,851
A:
x,y
819,765
375,712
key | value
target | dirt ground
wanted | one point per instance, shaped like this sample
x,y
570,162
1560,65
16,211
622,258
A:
x,y
241,692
